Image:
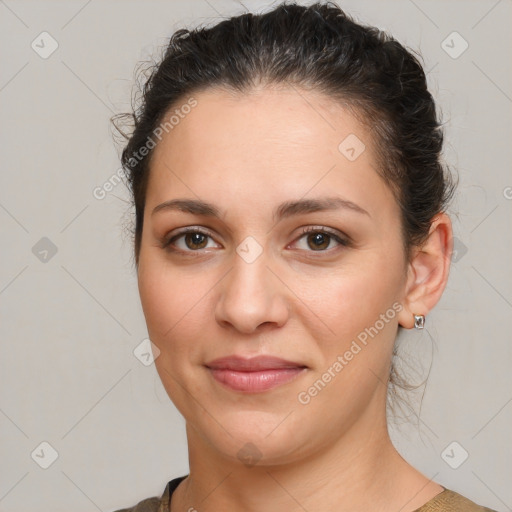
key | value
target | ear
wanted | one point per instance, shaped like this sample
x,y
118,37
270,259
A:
x,y
427,272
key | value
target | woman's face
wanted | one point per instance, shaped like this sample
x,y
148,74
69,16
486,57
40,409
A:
x,y
253,173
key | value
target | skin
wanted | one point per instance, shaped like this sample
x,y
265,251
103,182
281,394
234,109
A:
x,y
246,154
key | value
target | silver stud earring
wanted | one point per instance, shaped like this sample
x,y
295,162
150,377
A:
x,y
419,321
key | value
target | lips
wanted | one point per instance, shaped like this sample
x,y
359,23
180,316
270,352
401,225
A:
x,y
254,375
252,364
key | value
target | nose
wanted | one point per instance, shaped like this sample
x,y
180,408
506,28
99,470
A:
x,y
252,298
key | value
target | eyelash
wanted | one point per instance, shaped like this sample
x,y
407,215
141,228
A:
x,y
344,242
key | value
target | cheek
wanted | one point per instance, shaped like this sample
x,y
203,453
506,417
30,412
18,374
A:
x,y
355,360
158,300
353,297
173,302
174,306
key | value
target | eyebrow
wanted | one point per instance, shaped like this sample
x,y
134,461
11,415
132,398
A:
x,y
286,209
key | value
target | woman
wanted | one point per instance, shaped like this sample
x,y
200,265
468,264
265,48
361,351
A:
x,y
290,220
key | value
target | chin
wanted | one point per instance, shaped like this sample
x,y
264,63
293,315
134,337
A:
x,y
256,438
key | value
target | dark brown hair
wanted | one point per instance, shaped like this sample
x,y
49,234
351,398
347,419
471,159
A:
x,y
317,47
320,48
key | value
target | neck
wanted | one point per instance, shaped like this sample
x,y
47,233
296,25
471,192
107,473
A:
x,y
361,470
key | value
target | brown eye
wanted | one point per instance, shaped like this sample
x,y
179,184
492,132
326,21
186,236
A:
x,y
321,239
189,241
318,241
196,240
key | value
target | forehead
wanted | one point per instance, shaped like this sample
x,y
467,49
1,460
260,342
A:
x,y
265,118
282,140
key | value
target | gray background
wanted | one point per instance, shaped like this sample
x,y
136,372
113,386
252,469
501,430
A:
x,y
70,321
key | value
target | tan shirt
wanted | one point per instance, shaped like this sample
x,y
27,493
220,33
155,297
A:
x,y
445,501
